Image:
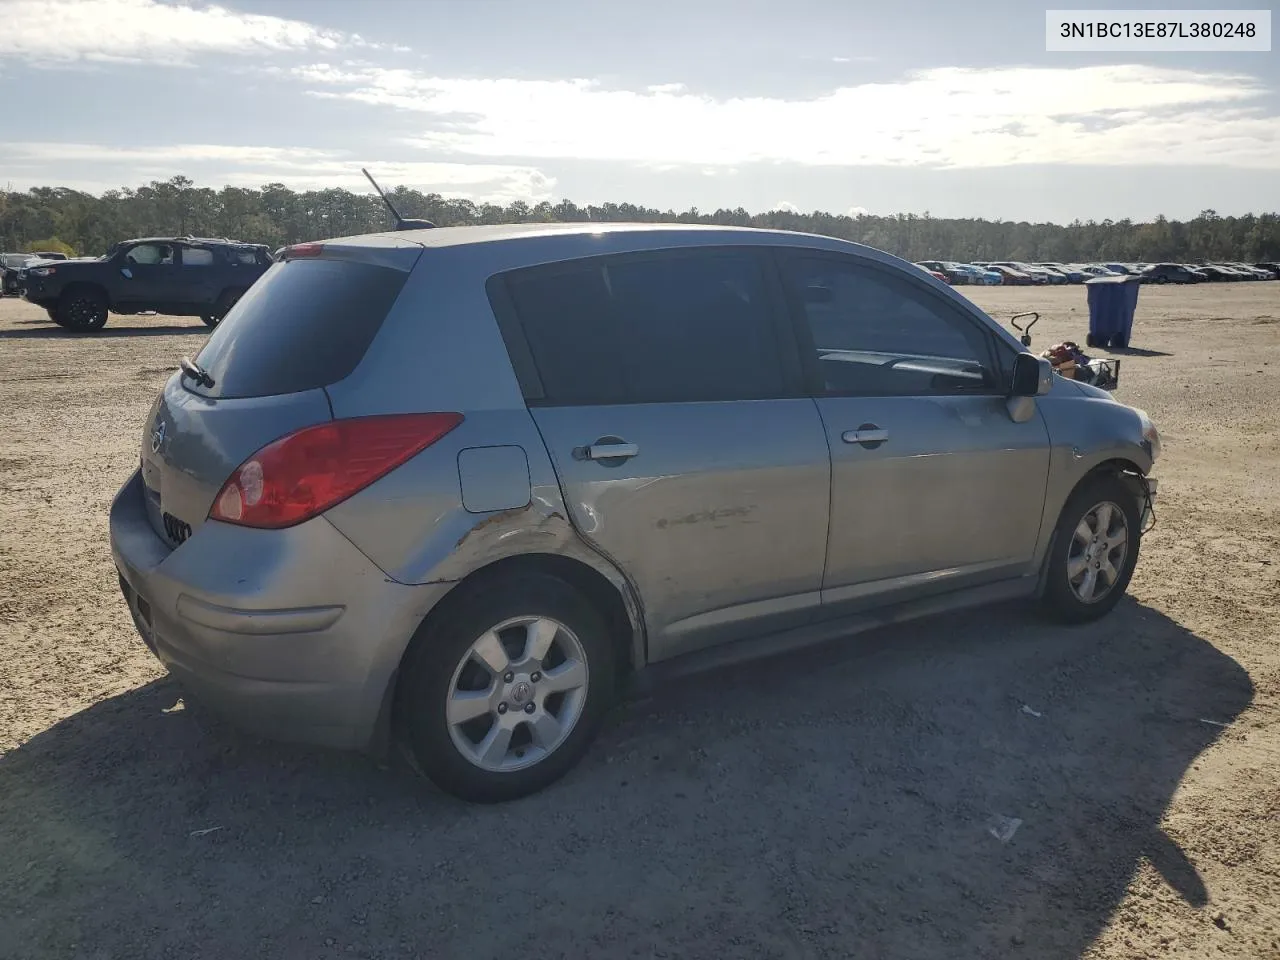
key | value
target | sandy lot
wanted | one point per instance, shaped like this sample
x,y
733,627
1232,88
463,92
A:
x,y
833,804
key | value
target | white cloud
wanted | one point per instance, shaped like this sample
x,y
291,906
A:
x,y
786,206
90,166
857,211
944,117
149,31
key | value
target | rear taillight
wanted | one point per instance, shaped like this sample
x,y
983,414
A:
x,y
302,250
307,472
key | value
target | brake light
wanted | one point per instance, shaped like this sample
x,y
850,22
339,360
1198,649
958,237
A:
x,y
305,473
300,250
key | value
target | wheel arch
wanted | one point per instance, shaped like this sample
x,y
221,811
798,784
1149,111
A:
x,y
76,286
1120,467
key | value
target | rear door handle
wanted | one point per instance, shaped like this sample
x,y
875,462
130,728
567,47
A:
x,y
612,451
868,435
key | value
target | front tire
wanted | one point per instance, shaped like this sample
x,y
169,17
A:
x,y
82,310
504,695
1095,550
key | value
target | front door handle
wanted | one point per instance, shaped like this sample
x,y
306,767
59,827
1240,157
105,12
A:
x,y
869,435
612,451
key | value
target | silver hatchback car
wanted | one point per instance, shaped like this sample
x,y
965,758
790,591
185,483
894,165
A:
x,y
458,487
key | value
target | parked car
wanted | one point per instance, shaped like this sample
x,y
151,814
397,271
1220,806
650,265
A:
x,y
950,269
10,266
611,454
1071,273
1120,268
1249,271
1095,270
1032,273
1211,271
1010,275
1233,270
182,276
1272,268
1171,273
936,274
982,276
1056,276
49,255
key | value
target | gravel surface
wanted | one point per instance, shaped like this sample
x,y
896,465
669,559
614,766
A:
x,y
854,800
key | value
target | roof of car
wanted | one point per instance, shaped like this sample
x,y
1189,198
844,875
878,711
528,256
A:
x,y
234,243
495,233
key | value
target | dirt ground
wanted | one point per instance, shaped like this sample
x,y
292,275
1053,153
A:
x,y
838,803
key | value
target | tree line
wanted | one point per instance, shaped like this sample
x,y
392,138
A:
x,y
45,218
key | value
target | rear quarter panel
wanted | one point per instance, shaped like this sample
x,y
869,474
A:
x,y
440,350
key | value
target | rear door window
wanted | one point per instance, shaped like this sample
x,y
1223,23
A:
x,y
304,324
679,326
196,256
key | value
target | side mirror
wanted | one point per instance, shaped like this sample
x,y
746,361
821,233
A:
x,y
1032,376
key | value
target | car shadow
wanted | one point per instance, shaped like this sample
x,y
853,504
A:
x,y
979,785
48,330
1138,352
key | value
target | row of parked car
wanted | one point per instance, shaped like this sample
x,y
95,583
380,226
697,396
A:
x,y
1018,273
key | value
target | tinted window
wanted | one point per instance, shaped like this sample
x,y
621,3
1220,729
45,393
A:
x,y
197,257
878,334
304,324
150,253
658,328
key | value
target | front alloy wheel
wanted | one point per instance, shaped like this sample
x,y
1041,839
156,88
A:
x,y
1095,548
82,311
1098,550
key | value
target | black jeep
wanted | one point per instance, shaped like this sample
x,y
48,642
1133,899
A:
x,y
181,276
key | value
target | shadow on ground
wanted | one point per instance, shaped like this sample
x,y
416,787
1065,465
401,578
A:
x,y
830,804
47,330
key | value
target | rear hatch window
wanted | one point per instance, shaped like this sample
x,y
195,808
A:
x,y
305,324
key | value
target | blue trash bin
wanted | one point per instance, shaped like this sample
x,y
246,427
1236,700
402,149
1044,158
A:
x,y
1112,302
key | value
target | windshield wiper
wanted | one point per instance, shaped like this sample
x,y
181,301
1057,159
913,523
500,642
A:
x,y
195,372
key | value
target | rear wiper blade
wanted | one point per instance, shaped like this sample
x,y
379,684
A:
x,y
195,372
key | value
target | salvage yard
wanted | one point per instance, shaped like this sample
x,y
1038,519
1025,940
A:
x,y
980,785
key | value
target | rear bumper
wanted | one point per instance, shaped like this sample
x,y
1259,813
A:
x,y
292,634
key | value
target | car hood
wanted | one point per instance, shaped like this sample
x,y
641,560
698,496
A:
x,y
1092,392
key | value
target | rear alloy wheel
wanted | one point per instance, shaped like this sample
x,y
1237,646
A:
x,y
504,696
1094,552
82,311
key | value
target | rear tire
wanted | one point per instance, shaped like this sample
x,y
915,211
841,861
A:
x,y
1095,550
455,746
82,310
225,302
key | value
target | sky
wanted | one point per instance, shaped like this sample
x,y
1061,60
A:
x,y
844,106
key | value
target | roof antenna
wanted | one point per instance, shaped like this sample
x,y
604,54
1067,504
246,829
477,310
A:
x,y
401,222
